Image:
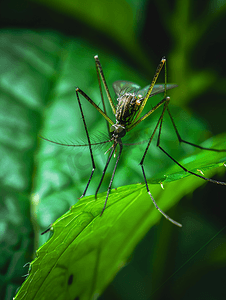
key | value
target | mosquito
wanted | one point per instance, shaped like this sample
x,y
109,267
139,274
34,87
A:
x,y
131,100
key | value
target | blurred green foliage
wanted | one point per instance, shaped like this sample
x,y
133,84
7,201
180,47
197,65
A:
x,y
40,65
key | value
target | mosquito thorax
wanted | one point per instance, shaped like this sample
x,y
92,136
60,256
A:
x,y
128,105
118,130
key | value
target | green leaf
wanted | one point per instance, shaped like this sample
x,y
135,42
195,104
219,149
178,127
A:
x,y
86,250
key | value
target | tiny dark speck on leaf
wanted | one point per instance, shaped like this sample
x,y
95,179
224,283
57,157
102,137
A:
x,y
70,279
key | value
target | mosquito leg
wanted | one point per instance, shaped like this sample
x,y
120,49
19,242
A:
x,y
105,168
90,148
190,172
182,167
142,166
167,99
98,65
189,143
155,204
112,177
94,104
101,93
158,70
79,91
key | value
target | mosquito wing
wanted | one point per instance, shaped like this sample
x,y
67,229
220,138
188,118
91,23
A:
x,y
121,87
157,89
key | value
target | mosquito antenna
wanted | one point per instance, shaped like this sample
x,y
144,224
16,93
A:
x,y
74,145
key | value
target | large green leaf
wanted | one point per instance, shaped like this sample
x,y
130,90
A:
x,y
86,250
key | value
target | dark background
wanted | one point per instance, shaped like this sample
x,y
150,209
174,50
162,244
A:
x,y
191,34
